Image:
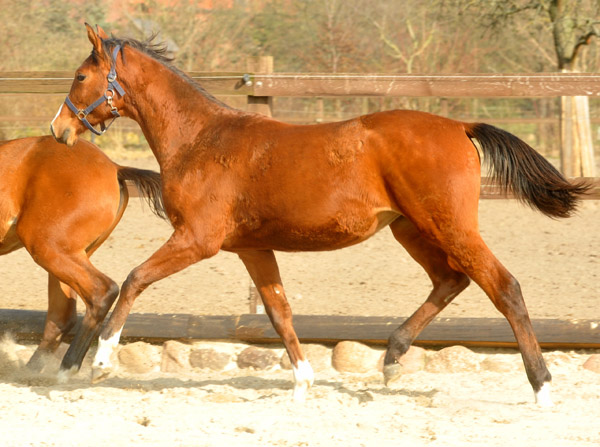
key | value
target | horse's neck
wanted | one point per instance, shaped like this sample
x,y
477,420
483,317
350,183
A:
x,y
171,113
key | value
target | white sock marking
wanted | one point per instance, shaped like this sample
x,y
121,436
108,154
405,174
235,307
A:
x,y
304,377
105,350
542,397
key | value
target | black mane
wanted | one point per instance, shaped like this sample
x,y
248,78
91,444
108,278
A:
x,y
158,52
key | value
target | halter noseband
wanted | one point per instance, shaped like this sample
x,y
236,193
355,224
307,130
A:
x,y
113,85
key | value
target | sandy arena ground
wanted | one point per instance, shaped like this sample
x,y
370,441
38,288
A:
x,y
556,261
254,408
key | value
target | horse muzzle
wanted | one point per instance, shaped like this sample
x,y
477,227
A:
x,y
67,136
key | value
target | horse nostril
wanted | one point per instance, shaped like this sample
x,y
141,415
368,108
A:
x,y
52,131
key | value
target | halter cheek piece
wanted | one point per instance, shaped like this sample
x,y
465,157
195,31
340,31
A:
x,y
113,85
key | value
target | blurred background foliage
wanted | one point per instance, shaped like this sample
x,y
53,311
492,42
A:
x,y
332,36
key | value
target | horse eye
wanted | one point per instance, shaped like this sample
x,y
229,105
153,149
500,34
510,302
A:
x,y
80,77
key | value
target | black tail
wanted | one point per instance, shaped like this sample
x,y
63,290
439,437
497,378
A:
x,y
518,168
148,184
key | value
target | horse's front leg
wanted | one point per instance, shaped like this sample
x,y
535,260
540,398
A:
x,y
262,267
181,250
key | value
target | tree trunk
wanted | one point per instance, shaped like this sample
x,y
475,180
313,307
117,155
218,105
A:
x,y
577,151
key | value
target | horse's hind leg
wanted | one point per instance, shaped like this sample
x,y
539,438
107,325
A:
x,y
459,238
61,318
262,267
447,283
476,259
97,291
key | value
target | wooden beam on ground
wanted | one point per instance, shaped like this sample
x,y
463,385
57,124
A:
x,y
552,333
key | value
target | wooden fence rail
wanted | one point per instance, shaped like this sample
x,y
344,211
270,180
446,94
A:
x,y
347,84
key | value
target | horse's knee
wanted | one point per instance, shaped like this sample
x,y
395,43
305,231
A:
x,y
134,284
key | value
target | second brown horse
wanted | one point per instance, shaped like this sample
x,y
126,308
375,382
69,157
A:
x,y
61,204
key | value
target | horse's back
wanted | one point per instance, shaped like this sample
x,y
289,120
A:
x,y
372,154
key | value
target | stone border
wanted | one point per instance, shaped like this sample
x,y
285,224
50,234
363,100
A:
x,y
346,357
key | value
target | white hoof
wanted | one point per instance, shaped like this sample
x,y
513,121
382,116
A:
x,y
102,365
304,378
542,397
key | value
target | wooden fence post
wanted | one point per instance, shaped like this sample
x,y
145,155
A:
x,y
566,132
586,151
320,113
263,105
577,151
260,104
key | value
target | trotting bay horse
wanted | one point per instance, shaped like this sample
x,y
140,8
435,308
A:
x,y
249,184
61,204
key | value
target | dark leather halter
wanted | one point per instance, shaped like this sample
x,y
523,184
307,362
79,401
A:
x,y
113,86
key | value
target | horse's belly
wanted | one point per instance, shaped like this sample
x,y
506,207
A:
x,y
338,231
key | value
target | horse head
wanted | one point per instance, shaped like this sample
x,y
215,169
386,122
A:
x,y
95,96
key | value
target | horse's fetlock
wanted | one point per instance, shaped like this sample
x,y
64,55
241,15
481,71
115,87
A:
x,y
398,344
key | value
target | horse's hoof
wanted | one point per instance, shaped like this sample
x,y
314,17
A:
x,y
100,373
304,377
65,374
300,392
391,373
543,398
35,364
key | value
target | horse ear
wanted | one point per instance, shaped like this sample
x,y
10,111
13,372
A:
x,y
101,32
94,39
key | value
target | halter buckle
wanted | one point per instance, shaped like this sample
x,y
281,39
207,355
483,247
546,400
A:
x,y
81,114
